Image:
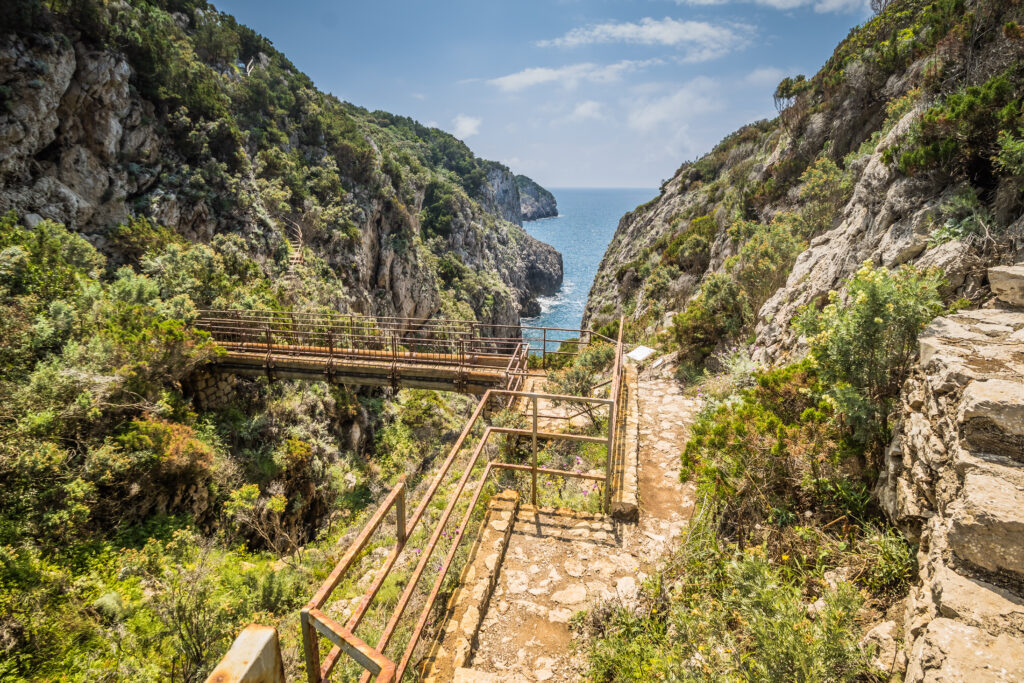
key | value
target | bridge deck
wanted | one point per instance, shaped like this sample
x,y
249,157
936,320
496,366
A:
x,y
369,367
448,355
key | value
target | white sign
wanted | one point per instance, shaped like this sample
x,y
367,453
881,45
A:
x,y
641,353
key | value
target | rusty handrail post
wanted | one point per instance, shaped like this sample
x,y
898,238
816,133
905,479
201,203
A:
x,y
533,494
613,417
310,646
400,531
544,351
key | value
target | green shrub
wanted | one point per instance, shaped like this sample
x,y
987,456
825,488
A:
x,y
717,313
596,357
1010,158
961,132
765,259
825,188
690,249
575,380
730,616
966,218
891,562
46,261
864,343
440,208
769,454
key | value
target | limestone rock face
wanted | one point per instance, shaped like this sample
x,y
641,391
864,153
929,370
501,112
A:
x,y
81,146
954,479
1007,283
71,134
501,194
952,651
535,201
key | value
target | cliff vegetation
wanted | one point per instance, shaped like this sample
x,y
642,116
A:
x,y
157,158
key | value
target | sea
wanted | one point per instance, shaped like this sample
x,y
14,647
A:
x,y
586,221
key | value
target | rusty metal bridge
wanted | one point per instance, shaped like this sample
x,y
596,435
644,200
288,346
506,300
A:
x,y
448,355
424,546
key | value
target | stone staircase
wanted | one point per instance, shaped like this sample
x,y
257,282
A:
x,y
954,479
296,258
532,568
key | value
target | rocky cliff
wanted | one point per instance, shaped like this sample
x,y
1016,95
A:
x,y
99,126
500,194
853,169
954,480
535,201
899,151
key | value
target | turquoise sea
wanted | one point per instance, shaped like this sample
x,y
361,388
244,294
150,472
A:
x,y
586,222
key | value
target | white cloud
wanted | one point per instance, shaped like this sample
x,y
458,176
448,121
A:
x,y
698,96
840,5
570,76
765,76
820,6
465,126
418,96
701,41
587,110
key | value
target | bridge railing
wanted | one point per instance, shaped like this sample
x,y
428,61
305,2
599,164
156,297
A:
x,y
483,460
452,341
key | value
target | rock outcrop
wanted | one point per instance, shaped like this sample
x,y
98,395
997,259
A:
x,y
500,194
859,125
81,145
953,479
535,201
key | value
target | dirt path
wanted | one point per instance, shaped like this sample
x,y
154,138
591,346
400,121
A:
x,y
559,562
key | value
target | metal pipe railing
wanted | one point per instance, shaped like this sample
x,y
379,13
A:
x,y
373,659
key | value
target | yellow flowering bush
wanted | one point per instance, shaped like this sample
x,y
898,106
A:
x,y
864,342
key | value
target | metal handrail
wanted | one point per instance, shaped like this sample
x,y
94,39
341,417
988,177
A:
x,y
251,327
373,660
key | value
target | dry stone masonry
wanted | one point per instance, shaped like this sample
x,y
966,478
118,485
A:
x,y
953,478
559,562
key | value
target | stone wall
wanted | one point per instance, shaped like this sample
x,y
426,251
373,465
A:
x,y
953,479
212,390
469,603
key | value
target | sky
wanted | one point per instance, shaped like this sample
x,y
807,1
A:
x,y
573,93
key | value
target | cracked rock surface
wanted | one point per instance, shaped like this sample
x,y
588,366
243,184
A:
x,y
954,479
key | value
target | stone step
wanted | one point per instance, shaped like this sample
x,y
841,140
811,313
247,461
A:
x,y
467,675
987,524
951,651
992,415
467,605
1007,283
977,603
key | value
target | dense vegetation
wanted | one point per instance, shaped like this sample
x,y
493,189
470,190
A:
x,y
139,527
140,530
787,555
744,211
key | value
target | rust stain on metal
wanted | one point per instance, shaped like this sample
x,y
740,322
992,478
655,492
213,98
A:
x,y
466,347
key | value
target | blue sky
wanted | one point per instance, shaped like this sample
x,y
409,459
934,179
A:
x,y
574,93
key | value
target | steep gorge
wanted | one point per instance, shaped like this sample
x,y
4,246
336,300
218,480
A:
x,y
247,146
899,152
157,158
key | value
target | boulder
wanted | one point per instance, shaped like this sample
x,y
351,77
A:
x,y
1007,283
887,656
952,651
